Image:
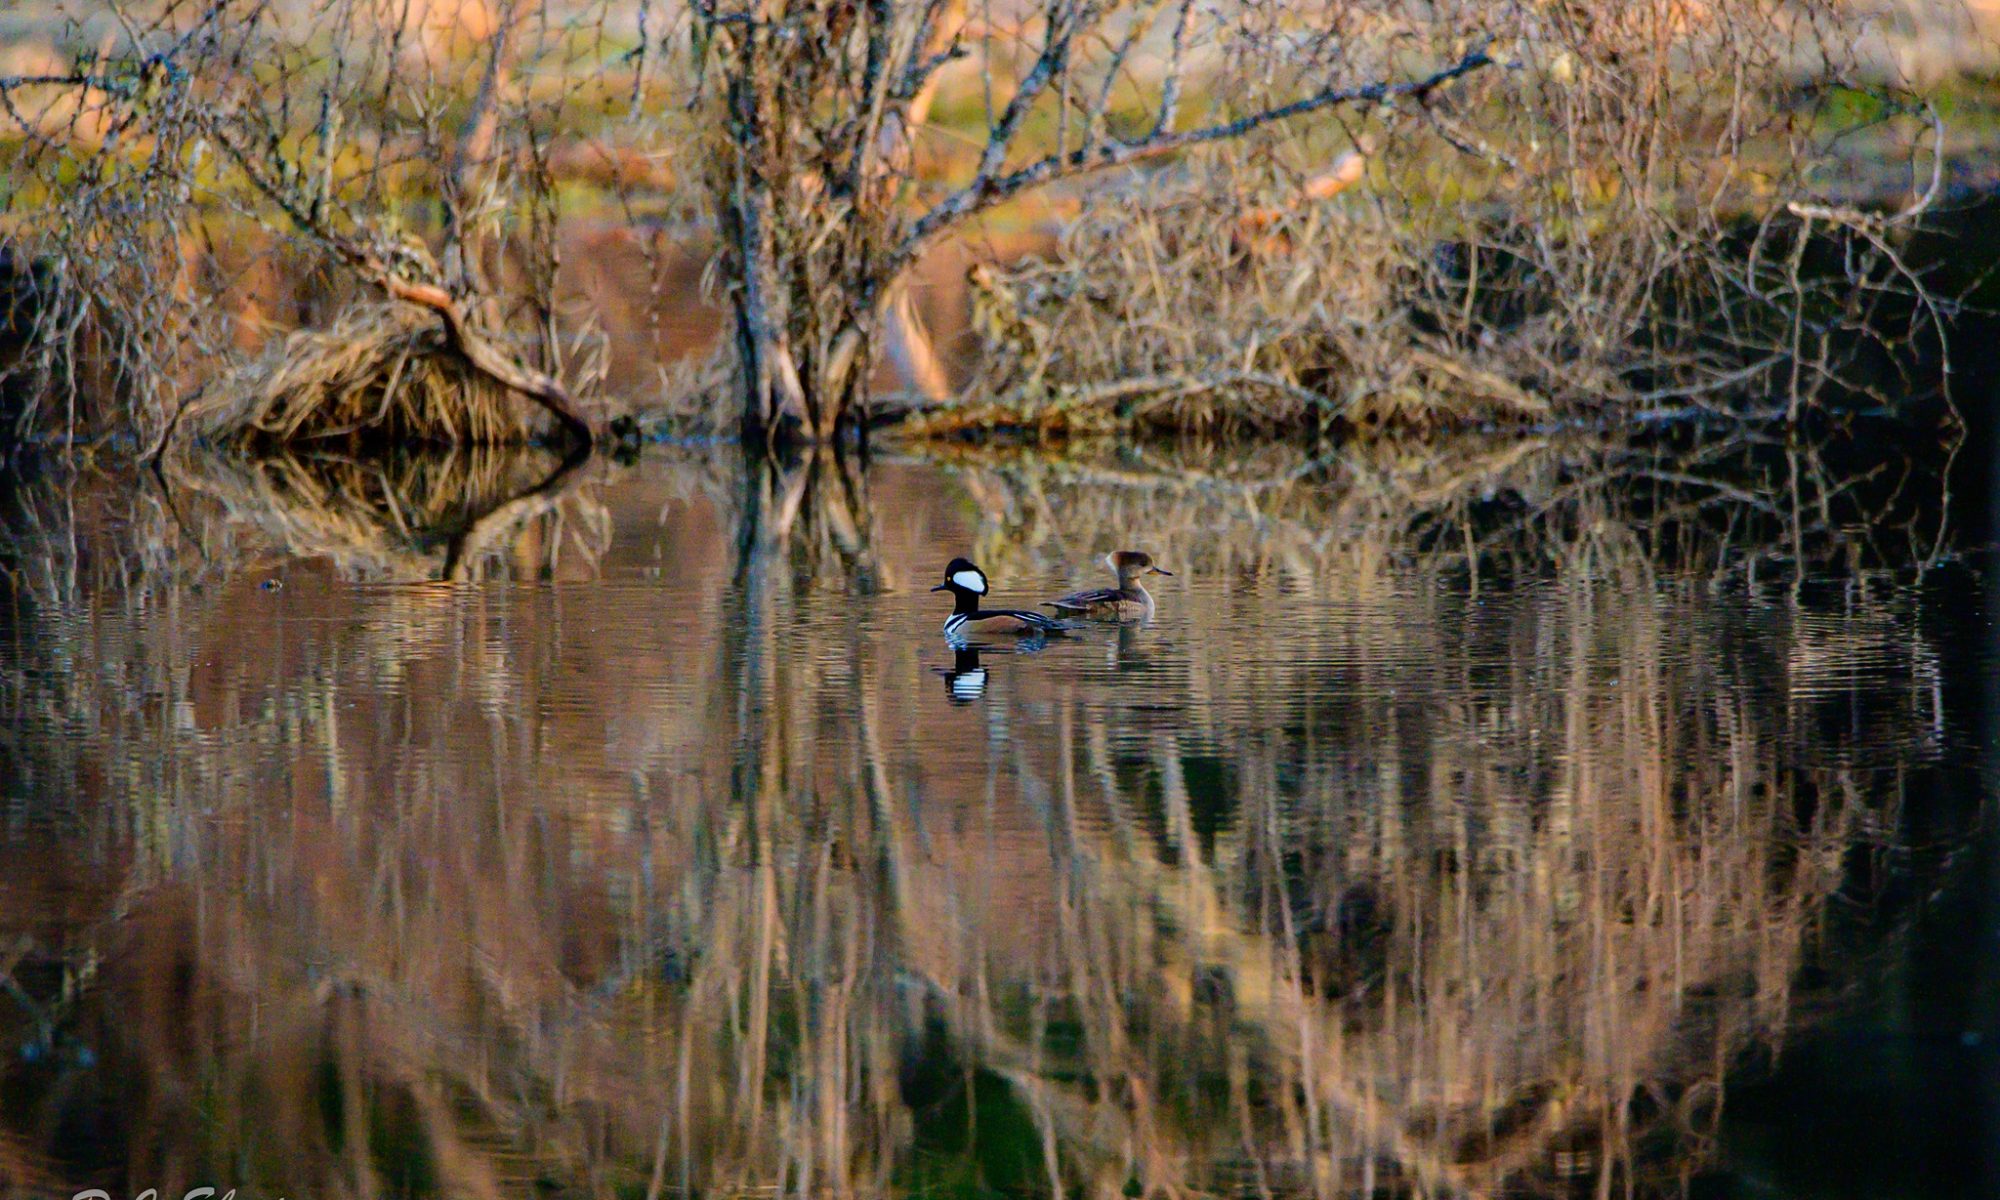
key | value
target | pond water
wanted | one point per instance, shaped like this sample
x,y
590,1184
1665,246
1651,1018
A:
x,y
1541,817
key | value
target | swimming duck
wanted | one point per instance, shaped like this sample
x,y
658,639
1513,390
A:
x,y
1127,602
967,584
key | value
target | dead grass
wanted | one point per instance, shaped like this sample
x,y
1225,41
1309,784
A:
x,y
1247,298
383,374
1180,311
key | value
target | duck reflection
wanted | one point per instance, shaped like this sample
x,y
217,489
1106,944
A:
x,y
965,680
1130,651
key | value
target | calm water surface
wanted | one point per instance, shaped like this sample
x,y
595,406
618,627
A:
x,y
1514,820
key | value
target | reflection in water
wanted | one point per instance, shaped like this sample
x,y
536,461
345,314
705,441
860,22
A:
x,y
1454,829
965,680
405,518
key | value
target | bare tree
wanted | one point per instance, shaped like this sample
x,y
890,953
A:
x,y
196,122
1588,193
819,102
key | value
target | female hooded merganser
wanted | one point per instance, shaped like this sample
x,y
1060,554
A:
x,y
1126,602
967,584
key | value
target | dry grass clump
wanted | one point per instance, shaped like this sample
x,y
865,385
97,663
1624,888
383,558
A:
x,y
382,373
1189,309
339,131
1598,229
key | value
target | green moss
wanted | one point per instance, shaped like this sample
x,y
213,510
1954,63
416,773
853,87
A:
x,y
977,1141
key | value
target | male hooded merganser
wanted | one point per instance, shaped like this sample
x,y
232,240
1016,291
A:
x,y
967,584
1126,602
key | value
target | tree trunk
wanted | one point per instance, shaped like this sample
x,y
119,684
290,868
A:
x,y
769,377
806,181
814,396
802,370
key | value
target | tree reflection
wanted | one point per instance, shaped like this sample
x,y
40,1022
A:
x,y
704,888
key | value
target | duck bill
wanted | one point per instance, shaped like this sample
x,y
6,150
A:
x,y
942,587
1160,571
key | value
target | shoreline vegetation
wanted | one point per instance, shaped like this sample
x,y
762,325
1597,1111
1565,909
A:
x,y
491,221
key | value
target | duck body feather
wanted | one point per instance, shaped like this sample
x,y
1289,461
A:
x,y
1001,620
1109,604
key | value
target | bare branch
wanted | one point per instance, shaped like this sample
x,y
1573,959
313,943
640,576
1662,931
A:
x,y
122,88
1170,90
477,348
1052,63
1093,126
987,190
920,73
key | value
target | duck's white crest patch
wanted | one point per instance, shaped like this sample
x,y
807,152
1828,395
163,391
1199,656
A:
x,y
971,581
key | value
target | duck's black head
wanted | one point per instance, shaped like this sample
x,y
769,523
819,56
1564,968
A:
x,y
965,582
960,576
